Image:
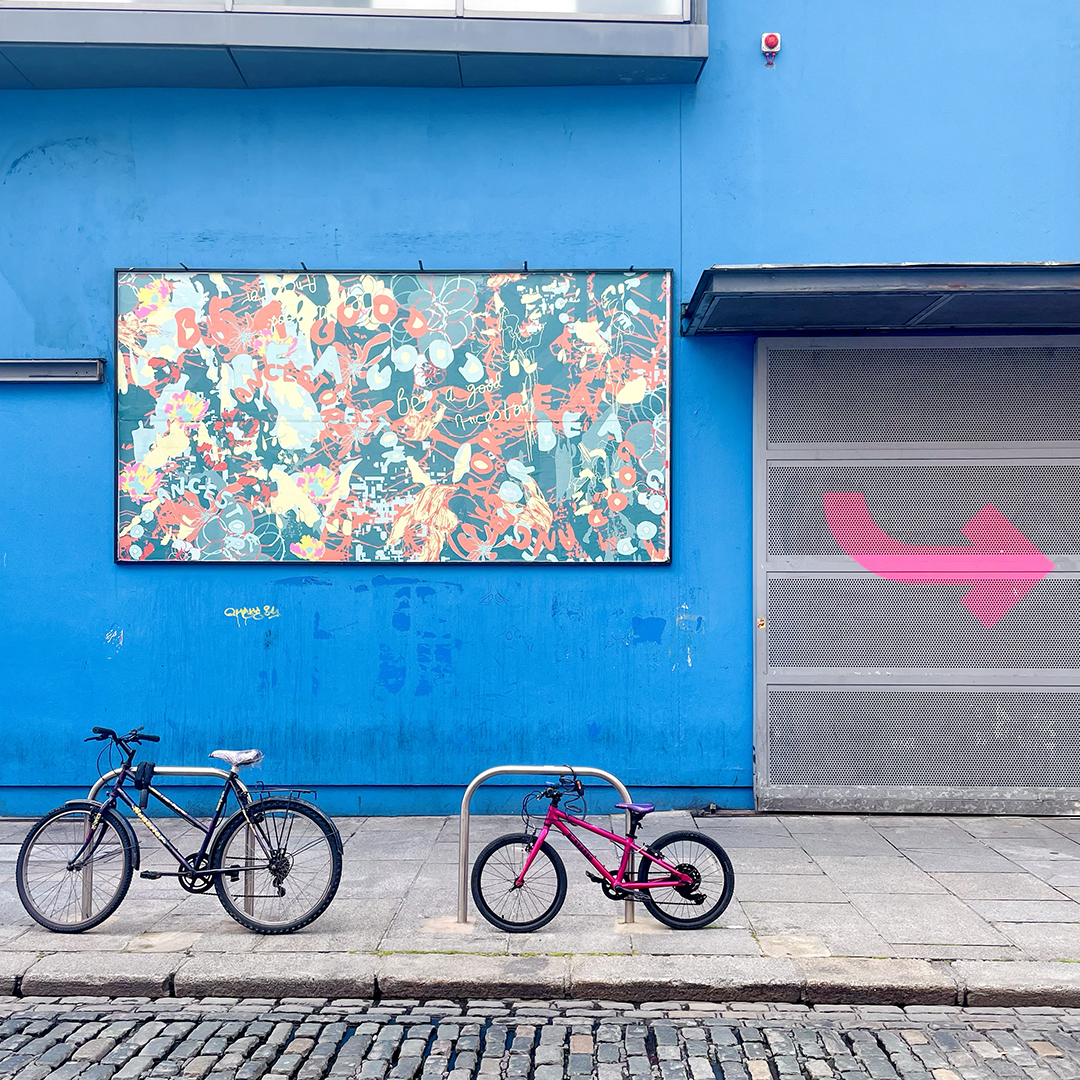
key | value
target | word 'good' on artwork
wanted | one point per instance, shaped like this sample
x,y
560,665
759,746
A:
x,y
361,417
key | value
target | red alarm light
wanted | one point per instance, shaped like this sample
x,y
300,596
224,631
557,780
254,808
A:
x,y
770,46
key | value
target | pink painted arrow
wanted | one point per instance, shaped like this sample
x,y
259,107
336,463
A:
x,y
1001,558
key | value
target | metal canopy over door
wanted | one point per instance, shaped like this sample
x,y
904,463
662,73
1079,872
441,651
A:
x,y
917,574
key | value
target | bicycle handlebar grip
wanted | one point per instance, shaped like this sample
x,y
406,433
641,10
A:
x,y
149,738
103,731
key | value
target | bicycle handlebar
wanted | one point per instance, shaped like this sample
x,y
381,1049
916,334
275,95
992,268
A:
x,y
103,733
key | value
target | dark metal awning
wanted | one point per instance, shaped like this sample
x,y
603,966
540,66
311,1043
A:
x,y
893,296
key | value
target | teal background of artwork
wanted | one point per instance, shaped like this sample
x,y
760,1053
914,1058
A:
x,y
885,133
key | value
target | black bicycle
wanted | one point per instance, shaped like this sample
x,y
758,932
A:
x,y
275,863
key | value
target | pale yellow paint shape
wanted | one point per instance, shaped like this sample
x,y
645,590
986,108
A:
x,y
286,435
172,444
589,332
290,497
418,474
632,392
461,461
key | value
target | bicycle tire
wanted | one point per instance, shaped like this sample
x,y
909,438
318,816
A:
x,y
69,901
258,894
716,878
491,892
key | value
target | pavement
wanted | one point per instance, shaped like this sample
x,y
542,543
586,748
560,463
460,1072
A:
x,y
92,1038
828,909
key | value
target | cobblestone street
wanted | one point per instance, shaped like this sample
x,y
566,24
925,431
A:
x,y
309,1039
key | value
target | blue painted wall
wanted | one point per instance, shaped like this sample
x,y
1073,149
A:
x,y
885,133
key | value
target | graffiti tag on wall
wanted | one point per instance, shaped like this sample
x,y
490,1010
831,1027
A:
x,y
393,417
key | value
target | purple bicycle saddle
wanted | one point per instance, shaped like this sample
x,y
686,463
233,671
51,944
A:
x,y
636,807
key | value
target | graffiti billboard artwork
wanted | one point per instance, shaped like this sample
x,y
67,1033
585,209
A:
x,y
365,417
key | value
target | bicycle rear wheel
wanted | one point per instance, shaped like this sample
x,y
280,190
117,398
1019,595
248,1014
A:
x,y
529,906
692,906
284,868
73,872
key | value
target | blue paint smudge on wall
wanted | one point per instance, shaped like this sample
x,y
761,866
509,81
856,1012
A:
x,y
647,630
391,670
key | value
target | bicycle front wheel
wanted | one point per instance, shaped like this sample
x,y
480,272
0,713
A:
x,y
712,880
74,868
283,868
518,908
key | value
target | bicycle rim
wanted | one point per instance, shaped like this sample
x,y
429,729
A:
x,y
523,908
69,899
284,871
714,880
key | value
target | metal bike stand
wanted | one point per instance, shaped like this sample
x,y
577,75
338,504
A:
x,y
521,770
204,771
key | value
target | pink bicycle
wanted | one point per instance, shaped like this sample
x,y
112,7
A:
x,y
684,879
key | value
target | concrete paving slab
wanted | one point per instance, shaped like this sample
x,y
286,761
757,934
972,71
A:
x,y
1008,951
916,918
841,981
113,974
1056,872
1028,911
1055,847
973,861
800,888
889,874
845,931
772,861
1019,983
378,881
161,942
747,832
1003,826
792,944
329,975
919,837
573,933
1044,941
713,940
694,978
997,886
439,975
98,940
853,844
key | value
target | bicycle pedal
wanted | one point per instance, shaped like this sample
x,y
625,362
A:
x,y
150,875
594,877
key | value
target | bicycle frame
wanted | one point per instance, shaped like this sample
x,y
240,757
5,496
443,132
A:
x,y
562,822
118,794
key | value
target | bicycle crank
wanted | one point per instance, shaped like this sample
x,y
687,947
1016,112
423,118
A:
x,y
612,892
195,883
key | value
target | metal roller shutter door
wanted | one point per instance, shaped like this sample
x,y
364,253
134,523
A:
x,y
890,675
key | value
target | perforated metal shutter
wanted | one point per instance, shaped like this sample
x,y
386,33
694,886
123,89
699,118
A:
x,y
886,693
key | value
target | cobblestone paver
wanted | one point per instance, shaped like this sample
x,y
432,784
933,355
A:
x,y
313,1039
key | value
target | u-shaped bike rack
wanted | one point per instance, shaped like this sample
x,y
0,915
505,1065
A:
x,y
521,770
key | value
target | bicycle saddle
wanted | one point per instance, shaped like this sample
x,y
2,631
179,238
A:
x,y
641,808
239,758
